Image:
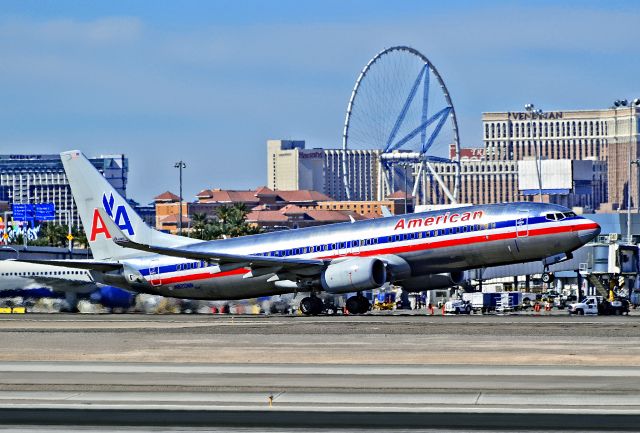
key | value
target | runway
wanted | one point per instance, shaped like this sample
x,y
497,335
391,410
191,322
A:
x,y
340,372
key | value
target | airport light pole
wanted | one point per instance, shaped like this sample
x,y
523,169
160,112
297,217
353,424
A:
x,y
69,236
180,165
532,111
624,103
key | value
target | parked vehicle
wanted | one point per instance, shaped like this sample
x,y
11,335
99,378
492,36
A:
x,y
596,305
486,302
528,299
457,306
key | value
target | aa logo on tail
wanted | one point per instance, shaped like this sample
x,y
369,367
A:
x,y
98,227
120,217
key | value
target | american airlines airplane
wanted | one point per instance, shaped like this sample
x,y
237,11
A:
x,y
419,251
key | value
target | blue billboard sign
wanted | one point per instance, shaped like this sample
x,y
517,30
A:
x,y
31,212
23,212
45,212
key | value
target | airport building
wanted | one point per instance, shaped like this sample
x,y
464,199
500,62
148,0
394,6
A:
x,y
31,179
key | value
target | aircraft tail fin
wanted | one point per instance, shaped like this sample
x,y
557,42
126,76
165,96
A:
x,y
91,192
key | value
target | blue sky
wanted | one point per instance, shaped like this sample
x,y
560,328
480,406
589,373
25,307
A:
x,y
210,81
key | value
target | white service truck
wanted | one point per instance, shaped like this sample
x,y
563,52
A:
x,y
597,305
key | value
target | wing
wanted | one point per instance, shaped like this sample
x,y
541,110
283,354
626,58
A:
x,y
64,285
273,264
222,258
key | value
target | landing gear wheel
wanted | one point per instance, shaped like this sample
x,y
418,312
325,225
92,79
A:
x,y
358,304
311,306
548,277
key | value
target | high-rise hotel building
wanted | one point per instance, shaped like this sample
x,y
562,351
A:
x,y
30,178
609,135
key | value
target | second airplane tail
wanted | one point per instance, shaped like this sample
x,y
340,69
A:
x,y
92,191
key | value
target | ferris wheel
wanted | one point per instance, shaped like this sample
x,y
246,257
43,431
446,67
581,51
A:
x,y
401,107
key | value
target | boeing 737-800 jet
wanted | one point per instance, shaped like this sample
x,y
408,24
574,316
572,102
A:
x,y
419,251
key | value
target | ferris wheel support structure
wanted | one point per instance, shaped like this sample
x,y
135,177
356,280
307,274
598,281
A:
x,y
421,161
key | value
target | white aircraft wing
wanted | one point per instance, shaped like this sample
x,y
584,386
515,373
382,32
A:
x,y
62,285
212,256
294,265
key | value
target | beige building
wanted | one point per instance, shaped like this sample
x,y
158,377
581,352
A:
x,y
291,167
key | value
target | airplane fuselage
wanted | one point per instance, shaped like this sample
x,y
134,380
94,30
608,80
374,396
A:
x,y
413,245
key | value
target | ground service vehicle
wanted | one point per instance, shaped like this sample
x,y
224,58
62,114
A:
x,y
486,302
457,306
596,305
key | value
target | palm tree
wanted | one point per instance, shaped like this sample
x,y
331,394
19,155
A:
x,y
79,237
232,221
199,224
54,234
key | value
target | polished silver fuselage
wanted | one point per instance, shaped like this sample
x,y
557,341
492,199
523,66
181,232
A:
x,y
421,244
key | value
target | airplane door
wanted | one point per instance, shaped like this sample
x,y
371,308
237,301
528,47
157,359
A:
x,y
522,223
154,273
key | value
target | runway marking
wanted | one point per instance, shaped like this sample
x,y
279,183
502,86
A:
x,y
316,369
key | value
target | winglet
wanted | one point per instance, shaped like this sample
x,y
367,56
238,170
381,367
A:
x,y
110,226
385,211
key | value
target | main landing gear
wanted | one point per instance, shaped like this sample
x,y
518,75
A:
x,y
358,304
311,305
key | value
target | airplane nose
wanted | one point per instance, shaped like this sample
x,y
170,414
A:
x,y
587,234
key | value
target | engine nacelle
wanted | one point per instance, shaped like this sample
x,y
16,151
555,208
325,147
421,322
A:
x,y
433,281
353,275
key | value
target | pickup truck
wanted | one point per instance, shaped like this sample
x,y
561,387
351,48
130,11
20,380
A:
x,y
596,305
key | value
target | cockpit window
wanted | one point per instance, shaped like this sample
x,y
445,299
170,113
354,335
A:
x,y
558,216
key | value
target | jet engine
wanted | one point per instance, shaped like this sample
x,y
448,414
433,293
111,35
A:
x,y
353,275
433,281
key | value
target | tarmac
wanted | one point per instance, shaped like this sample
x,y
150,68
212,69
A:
x,y
546,372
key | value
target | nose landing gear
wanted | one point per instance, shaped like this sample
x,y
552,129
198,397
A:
x,y
547,277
